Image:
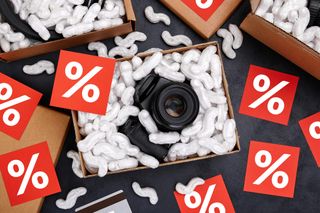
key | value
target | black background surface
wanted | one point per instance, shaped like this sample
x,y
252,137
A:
x,y
232,167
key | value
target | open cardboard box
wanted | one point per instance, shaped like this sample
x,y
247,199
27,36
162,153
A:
x,y
281,42
204,28
143,55
50,46
45,125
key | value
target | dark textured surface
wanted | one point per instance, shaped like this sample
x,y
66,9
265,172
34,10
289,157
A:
x,y
232,167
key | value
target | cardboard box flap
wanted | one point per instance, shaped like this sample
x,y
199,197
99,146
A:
x,y
283,43
45,125
254,4
129,11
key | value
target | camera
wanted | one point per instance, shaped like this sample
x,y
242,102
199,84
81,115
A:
x,y
172,105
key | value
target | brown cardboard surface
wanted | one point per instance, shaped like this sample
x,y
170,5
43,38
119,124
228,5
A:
x,y
143,55
282,42
46,47
204,28
45,125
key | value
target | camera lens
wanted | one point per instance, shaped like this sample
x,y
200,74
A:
x,y
175,106
172,105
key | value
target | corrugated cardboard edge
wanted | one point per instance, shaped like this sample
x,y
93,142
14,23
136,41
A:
x,y
51,46
55,161
231,113
282,42
204,28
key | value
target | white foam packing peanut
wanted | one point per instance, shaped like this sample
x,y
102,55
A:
x,y
123,51
156,17
123,142
227,43
237,34
100,47
147,121
90,141
127,96
170,71
202,63
145,192
147,66
175,40
164,137
208,119
125,163
95,164
182,150
148,160
130,39
192,184
109,151
194,129
39,67
76,165
92,13
77,15
38,26
77,29
126,70
229,134
124,113
71,199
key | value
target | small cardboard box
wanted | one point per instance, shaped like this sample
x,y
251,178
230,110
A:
x,y
45,125
205,28
281,42
143,55
50,46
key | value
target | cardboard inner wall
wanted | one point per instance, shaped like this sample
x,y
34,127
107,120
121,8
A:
x,y
282,42
204,28
45,125
50,46
231,114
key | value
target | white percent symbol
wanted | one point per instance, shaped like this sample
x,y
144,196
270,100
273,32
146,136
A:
x,y
263,159
196,201
82,82
313,130
272,107
28,174
11,117
204,5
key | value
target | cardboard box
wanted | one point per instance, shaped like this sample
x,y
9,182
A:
x,y
45,125
281,42
143,55
204,28
50,46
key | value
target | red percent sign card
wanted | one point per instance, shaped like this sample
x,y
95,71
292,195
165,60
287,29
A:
x,y
269,95
204,8
29,174
271,169
212,196
83,82
311,129
17,104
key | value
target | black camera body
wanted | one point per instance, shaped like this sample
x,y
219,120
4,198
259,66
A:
x,y
172,105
